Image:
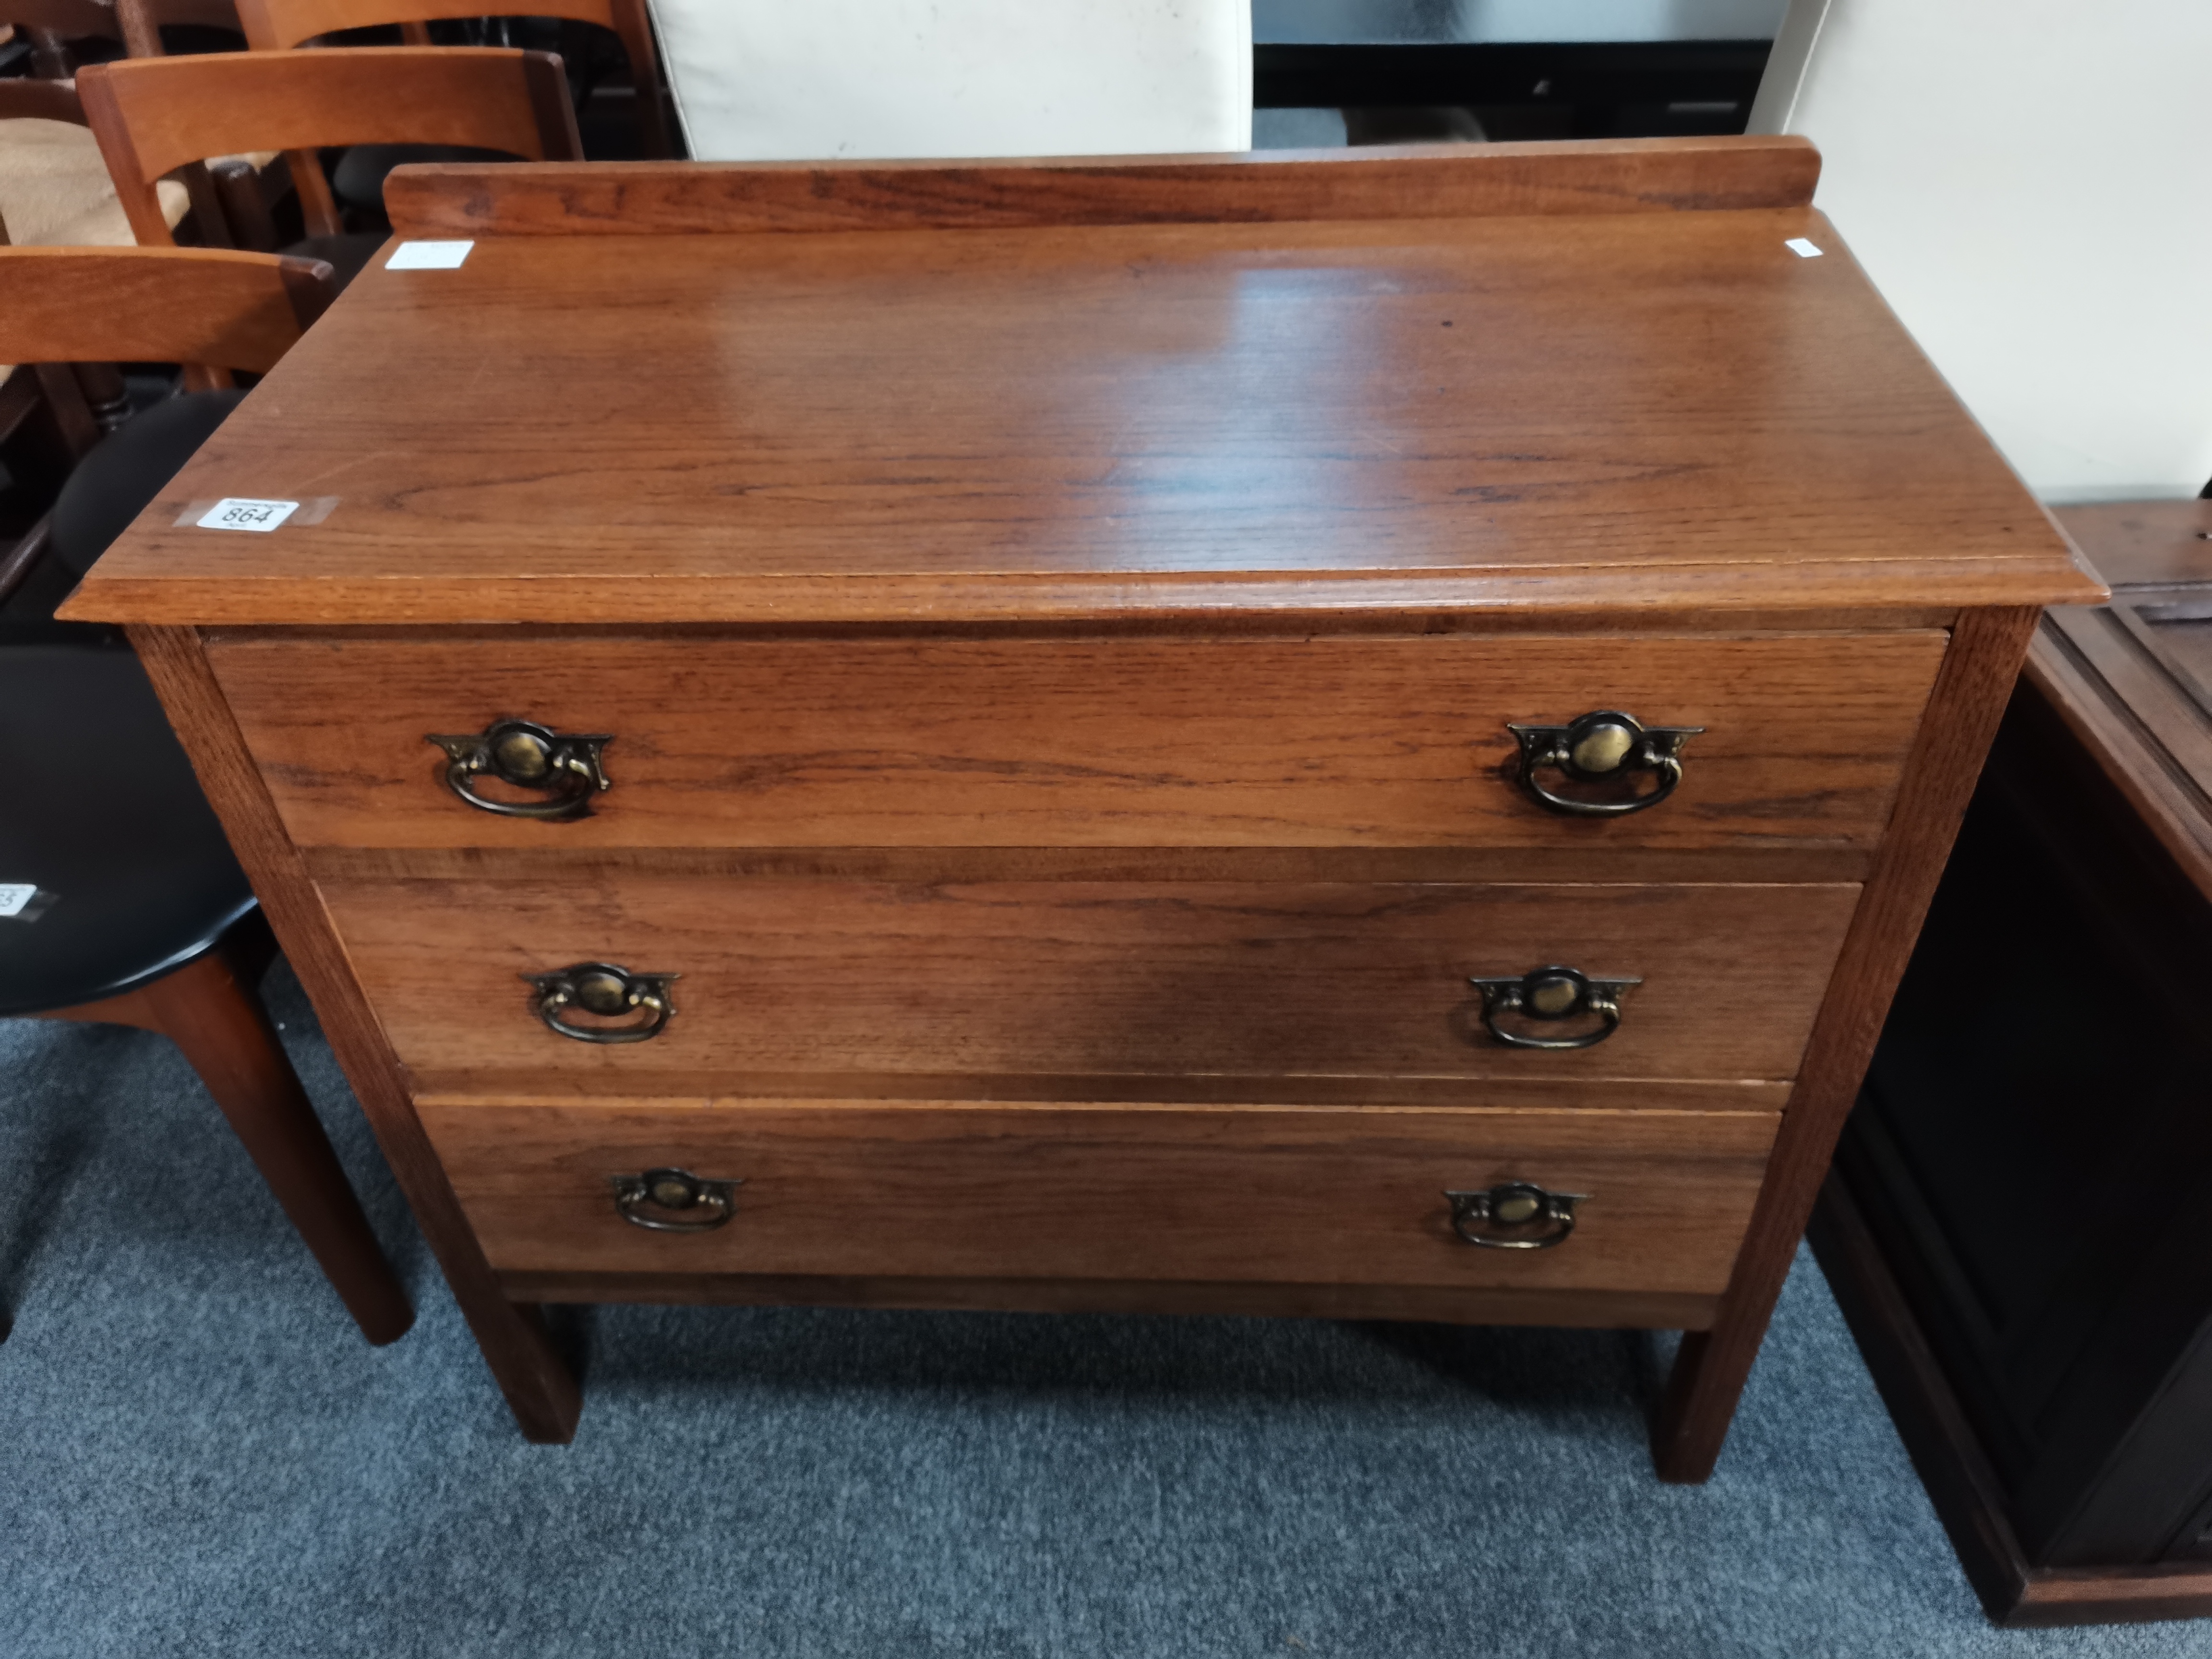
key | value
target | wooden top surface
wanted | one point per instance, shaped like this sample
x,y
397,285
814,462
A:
x,y
2133,678
2150,552
1584,411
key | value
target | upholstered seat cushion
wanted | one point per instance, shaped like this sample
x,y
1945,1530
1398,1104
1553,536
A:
x,y
55,192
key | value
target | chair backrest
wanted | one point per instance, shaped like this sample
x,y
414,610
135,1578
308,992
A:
x,y
51,22
73,20
211,308
22,96
153,114
277,25
142,21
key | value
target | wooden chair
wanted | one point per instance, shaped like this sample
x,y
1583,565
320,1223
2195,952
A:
x,y
153,114
142,21
277,25
140,915
55,193
136,26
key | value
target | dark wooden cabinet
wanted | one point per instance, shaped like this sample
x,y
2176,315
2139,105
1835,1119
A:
x,y
2019,1221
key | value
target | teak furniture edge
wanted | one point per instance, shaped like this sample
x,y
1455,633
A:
x,y
625,198
1977,673
1960,549
2052,1398
539,1386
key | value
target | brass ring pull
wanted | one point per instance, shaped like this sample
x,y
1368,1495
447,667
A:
x,y
1602,747
1552,993
530,756
1514,1208
601,988
678,1193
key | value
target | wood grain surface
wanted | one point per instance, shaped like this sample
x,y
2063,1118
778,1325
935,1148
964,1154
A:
x,y
669,1089
1570,863
201,306
2143,547
1659,1310
1254,980
278,25
1569,414
538,1386
152,115
1103,1192
1129,741
2144,730
1432,181
1971,692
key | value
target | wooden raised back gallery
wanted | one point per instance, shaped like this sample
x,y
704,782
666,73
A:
x,y
1431,686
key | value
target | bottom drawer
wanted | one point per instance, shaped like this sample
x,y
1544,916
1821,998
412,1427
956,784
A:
x,y
1297,1196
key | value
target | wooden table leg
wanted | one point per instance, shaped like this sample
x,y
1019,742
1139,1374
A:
x,y
1961,722
537,1382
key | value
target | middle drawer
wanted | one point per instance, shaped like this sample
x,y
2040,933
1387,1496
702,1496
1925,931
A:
x,y
781,977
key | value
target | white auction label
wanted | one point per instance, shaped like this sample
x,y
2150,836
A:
x,y
235,513
15,894
1803,247
428,256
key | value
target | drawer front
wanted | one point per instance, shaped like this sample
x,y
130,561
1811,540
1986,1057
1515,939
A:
x,y
1109,978
1339,742
1111,1192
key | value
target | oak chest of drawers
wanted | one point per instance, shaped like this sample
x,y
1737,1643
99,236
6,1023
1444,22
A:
x,y
1357,735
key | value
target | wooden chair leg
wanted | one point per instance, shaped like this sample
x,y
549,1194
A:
x,y
211,1013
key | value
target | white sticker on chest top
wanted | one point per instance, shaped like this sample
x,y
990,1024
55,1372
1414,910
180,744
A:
x,y
428,256
15,894
236,513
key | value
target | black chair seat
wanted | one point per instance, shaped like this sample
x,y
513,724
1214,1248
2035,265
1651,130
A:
x,y
104,815
127,470
102,810
358,179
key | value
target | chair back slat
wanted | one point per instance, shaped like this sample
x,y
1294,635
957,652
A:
x,y
154,114
24,97
279,25
73,20
143,21
210,307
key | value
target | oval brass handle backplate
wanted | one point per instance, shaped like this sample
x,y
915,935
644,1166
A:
x,y
602,988
665,1200
1604,748
1547,995
528,755
1514,1215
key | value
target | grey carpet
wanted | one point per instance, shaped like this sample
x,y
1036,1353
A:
x,y
198,1455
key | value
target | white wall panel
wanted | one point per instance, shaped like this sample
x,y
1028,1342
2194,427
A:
x,y
2030,183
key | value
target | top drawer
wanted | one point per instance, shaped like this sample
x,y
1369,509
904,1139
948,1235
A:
x,y
1120,742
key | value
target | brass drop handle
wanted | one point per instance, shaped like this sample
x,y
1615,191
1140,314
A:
x,y
529,756
602,988
1546,995
674,1201
1514,1215
1604,748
